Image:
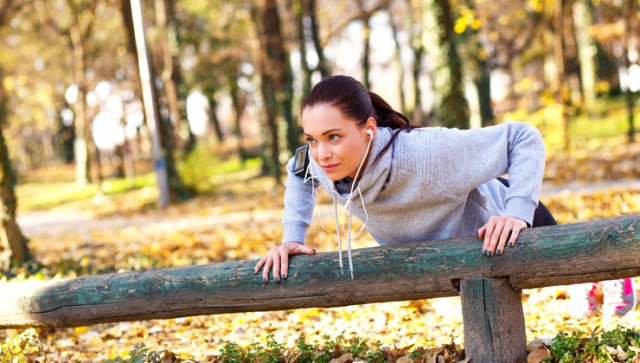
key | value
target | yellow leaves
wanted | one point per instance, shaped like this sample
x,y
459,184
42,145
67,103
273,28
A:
x,y
521,86
571,208
80,330
593,161
467,19
21,346
9,84
460,26
602,86
536,5
84,262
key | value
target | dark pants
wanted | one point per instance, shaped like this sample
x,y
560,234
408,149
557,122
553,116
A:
x,y
541,217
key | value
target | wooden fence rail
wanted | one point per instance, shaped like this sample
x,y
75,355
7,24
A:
x,y
492,313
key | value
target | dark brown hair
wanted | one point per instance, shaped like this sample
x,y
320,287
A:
x,y
356,103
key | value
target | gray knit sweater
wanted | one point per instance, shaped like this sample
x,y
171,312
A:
x,y
433,183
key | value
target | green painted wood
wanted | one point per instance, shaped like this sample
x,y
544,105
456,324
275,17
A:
x,y
493,321
592,251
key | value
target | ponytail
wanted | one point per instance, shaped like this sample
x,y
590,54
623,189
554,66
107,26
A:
x,y
386,116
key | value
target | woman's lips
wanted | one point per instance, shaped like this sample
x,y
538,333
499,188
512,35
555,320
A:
x,y
329,168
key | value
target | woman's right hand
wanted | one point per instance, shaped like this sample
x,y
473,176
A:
x,y
278,259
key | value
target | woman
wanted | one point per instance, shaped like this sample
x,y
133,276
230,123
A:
x,y
407,183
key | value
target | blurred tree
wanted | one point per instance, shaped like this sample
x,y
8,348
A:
x,y
587,52
210,93
130,145
274,75
560,88
414,26
301,31
310,10
630,19
175,88
177,189
78,24
468,25
289,33
239,103
367,10
418,56
220,35
504,39
395,24
405,18
450,107
13,244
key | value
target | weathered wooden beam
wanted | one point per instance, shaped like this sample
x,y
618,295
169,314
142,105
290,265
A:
x,y
583,252
493,321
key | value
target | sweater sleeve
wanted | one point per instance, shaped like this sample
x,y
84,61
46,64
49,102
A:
x,y
298,206
468,158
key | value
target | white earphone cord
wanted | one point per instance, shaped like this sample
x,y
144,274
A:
x,y
344,208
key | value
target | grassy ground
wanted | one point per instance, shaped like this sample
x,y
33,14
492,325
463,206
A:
x,y
55,187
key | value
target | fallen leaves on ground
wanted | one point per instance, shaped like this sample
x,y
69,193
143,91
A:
x,y
594,162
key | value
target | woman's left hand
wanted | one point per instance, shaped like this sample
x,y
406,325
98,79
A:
x,y
497,231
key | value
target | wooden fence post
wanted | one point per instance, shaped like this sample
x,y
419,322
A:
x,y
493,321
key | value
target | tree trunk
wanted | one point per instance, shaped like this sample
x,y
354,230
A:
x,y
13,244
274,64
366,31
177,189
414,27
547,256
558,52
587,52
120,171
323,64
294,131
481,71
400,68
298,9
482,82
213,116
238,107
450,107
86,151
626,39
175,89
418,116
127,17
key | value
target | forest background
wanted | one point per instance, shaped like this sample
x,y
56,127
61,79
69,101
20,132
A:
x,y
77,158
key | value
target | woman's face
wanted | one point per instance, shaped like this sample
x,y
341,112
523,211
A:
x,y
336,143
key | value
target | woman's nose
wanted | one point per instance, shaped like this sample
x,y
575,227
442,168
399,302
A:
x,y
324,152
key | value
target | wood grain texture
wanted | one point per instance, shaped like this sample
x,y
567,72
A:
x,y
493,321
584,252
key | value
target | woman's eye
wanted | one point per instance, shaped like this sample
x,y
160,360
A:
x,y
310,140
333,137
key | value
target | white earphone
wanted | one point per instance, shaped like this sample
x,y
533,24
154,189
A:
x,y
370,133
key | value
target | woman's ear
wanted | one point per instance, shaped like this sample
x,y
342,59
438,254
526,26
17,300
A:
x,y
371,127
